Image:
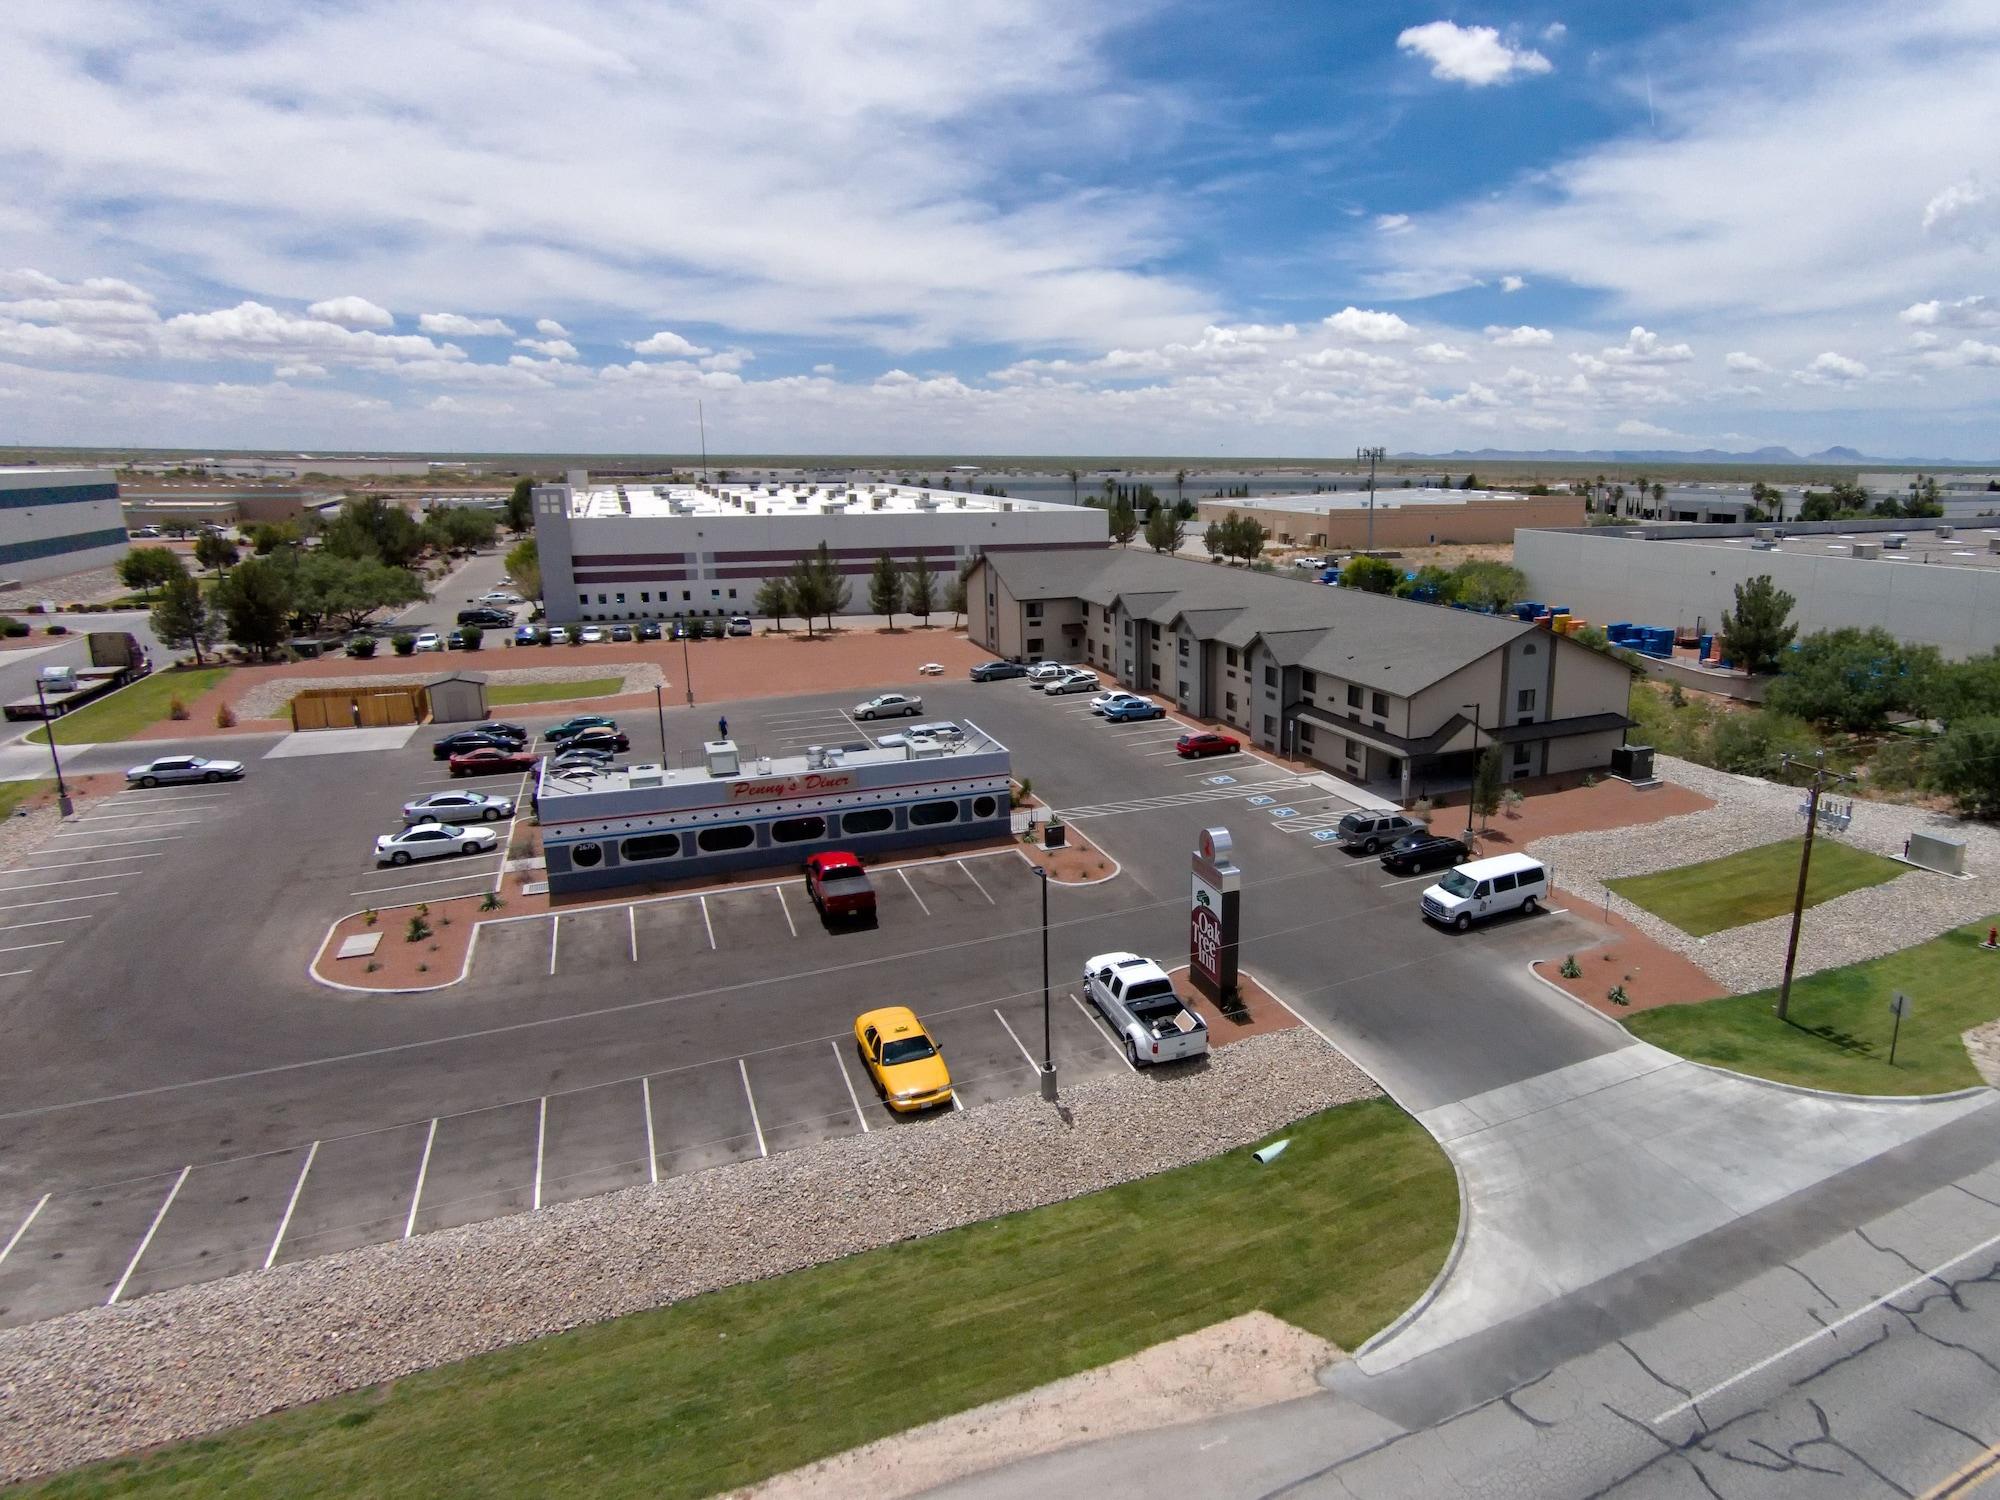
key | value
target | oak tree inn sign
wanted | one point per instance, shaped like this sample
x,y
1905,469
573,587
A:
x,y
1214,916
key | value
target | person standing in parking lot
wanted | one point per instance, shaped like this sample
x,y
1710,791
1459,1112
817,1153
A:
x,y
722,727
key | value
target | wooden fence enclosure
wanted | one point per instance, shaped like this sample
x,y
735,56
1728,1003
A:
x,y
361,708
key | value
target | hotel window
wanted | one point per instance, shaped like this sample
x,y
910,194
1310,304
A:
x,y
1270,727
1524,701
1034,645
926,814
868,820
1034,611
1308,683
797,830
620,599
1270,677
645,598
1354,749
1521,753
728,836
1305,729
1229,655
651,846
1379,704
1353,696
1229,702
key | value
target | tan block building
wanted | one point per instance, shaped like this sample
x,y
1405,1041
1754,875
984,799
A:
x,y
1403,518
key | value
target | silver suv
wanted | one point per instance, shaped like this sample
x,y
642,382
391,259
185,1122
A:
x,y
1369,831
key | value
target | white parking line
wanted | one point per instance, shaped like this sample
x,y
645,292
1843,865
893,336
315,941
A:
x,y
913,891
44,922
82,864
151,1230
555,932
36,885
975,880
15,1238
139,812
840,1062
169,838
291,1204
24,947
1406,880
786,907
1097,1026
57,900
632,921
1017,1041
541,1139
652,1151
413,885
423,1167
711,948
755,1124
170,794
15,973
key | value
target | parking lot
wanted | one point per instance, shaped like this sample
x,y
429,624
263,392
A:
x,y
188,1103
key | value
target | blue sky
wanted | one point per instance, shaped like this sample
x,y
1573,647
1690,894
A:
x,y
1034,226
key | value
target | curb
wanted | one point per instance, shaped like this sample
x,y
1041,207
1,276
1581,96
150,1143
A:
x,y
1592,1011
1798,1088
465,968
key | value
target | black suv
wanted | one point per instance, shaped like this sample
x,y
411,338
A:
x,y
649,630
471,739
993,671
611,740
496,619
1424,850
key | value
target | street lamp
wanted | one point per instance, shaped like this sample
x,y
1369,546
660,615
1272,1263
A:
x,y
1374,456
1048,1055
62,787
687,672
1473,709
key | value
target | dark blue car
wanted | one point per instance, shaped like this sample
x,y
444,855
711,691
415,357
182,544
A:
x,y
1133,708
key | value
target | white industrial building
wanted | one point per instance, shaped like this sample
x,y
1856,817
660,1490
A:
x,y
639,550
57,521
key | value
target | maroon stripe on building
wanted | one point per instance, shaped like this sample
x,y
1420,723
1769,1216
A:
x,y
793,555
635,575
607,559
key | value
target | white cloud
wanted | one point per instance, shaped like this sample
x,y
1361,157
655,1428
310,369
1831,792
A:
x,y
1347,359
1524,337
1965,212
252,330
667,342
457,326
553,348
826,369
1631,427
1511,283
1965,352
1555,31
1473,55
1441,354
1369,326
301,370
1643,347
353,312
1392,223
1966,312
1831,369
550,328
40,341
1745,364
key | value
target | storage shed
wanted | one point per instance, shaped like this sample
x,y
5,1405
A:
x,y
458,698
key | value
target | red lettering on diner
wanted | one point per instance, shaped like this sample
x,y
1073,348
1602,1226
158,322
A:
x,y
790,786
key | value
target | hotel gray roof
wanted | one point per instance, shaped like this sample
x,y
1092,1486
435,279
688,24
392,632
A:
x,y
1398,645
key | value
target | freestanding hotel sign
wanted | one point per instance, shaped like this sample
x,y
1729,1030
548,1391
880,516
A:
x,y
1213,916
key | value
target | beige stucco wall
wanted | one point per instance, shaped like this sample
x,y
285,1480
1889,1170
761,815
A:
x,y
1407,525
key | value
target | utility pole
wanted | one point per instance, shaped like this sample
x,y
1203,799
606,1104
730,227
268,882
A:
x,y
64,805
702,419
1374,456
1813,793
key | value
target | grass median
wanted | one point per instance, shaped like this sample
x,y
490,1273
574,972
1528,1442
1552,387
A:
x,y
1339,1235
504,694
14,793
1752,884
1838,1027
140,705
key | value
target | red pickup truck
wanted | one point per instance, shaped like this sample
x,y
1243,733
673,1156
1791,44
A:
x,y
839,886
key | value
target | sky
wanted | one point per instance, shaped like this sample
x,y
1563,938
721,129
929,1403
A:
x,y
1001,226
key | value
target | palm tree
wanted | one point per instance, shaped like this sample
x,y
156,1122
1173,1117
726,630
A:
x,y
1073,477
1180,478
1659,497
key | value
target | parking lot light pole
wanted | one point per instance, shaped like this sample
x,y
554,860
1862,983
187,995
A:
x,y
1048,1054
62,787
687,672
660,706
1374,456
1473,709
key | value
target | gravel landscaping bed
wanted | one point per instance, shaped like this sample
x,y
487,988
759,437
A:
x,y
108,1380
1863,924
268,699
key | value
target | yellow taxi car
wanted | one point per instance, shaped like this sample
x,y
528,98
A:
x,y
900,1056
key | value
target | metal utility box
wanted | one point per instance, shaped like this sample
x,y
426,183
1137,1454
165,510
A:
x,y
1934,851
1632,762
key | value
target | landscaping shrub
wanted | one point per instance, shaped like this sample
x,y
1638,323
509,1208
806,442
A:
x,y
225,717
177,709
56,630
419,930
361,647
404,643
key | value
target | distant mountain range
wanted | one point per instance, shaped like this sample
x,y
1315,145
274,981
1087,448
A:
x,y
1692,456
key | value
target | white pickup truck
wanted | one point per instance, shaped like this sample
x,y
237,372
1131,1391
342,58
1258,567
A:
x,y
1137,998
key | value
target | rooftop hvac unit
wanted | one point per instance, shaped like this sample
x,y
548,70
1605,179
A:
x,y
645,775
961,502
1894,541
1944,531
721,757
1006,504
1867,549
875,501
1767,534
1993,542
1763,546
750,507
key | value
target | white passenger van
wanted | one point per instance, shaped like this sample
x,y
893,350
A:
x,y
1484,887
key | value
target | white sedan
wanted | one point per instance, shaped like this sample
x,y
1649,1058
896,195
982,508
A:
x,y
433,841
931,669
173,768
458,807
430,640
592,635
1104,700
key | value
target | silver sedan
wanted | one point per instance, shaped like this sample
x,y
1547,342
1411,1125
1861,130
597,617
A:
x,y
172,768
458,807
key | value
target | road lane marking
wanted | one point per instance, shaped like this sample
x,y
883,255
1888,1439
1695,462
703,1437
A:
x,y
165,838
44,922
36,885
15,1238
423,1167
652,1149
291,1204
1819,1333
1097,1026
555,932
15,973
151,1230
975,881
786,907
755,1124
57,900
24,947
711,933
1017,1041
84,864
541,1138
913,891
632,921
840,1062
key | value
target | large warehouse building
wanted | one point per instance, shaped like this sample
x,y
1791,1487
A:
x,y
642,550
57,521
1403,518
1383,691
1929,583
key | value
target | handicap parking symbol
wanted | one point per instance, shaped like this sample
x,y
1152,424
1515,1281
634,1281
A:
x,y
1221,780
1262,801
1325,835
1284,812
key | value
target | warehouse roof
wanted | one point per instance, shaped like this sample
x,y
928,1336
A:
x,y
1385,499
1399,645
606,499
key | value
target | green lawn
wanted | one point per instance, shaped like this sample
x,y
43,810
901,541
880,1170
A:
x,y
501,694
1754,884
14,793
1339,1235
131,709
1837,1032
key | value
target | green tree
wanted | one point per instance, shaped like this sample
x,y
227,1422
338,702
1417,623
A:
x,y
954,600
1755,634
256,603
215,552
885,588
1968,689
835,592
267,537
1164,531
919,591
805,590
1124,521
146,568
1371,575
521,506
1765,501
351,589
460,528
1432,582
1753,744
1471,482
1486,782
1852,679
1818,505
1966,766
1214,539
183,617
774,598
1486,584
370,526
1244,537
524,566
